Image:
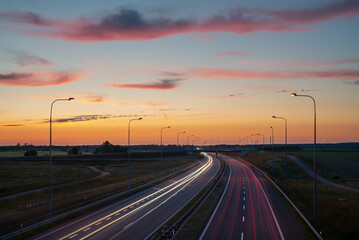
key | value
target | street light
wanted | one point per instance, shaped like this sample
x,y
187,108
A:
x,y
262,147
128,150
285,162
161,149
315,156
272,142
50,164
255,135
178,137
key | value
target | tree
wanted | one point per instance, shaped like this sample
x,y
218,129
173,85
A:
x,y
74,151
30,153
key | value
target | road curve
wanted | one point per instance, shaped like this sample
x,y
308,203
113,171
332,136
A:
x,y
138,216
251,209
319,178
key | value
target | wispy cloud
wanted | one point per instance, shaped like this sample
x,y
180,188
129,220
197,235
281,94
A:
x,y
223,73
126,24
300,63
12,125
85,118
38,79
164,84
233,54
356,82
24,59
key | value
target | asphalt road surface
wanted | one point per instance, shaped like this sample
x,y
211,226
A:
x,y
138,216
250,209
319,178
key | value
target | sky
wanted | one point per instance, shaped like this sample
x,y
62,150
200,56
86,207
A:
x,y
218,70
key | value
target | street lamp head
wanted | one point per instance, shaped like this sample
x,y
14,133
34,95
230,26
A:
x,y
293,94
271,127
169,127
274,117
140,119
71,98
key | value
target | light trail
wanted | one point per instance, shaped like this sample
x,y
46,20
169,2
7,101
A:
x,y
162,192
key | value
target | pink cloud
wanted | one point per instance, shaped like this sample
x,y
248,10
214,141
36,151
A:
x,y
37,79
275,75
131,25
161,85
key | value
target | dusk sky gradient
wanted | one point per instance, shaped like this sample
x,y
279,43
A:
x,y
216,69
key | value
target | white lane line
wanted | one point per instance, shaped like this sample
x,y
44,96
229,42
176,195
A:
x,y
244,192
244,198
271,209
117,214
98,223
125,210
219,202
85,230
242,236
243,219
108,218
244,207
73,236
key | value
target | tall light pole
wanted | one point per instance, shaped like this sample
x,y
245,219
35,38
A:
x,y
50,164
128,150
178,145
161,149
178,137
285,162
315,156
257,159
272,142
262,148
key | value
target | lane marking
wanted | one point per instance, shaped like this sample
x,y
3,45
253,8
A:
x,y
125,210
244,198
271,209
243,219
242,236
86,229
117,214
128,225
98,223
73,236
108,218
244,207
219,202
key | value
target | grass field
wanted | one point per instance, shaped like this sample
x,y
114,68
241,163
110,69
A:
x,y
337,166
337,210
77,194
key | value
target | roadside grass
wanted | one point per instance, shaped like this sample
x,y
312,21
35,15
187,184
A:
x,y
74,195
337,166
39,153
337,209
20,176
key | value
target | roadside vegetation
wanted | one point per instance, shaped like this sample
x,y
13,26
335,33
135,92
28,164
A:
x,y
25,210
337,209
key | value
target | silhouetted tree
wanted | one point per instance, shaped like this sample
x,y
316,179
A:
x,y
30,153
74,151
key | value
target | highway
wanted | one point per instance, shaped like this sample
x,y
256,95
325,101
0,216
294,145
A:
x,y
250,208
139,215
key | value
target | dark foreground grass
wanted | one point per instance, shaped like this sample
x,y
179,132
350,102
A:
x,y
337,209
72,196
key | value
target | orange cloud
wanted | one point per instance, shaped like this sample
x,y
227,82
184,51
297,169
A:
x,y
161,85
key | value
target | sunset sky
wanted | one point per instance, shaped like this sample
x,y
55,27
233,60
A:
x,y
216,69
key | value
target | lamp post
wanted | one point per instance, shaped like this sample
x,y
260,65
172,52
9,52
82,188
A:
x,y
161,149
262,148
178,145
315,157
128,150
256,142
272,142
50,163
178,137
285,161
